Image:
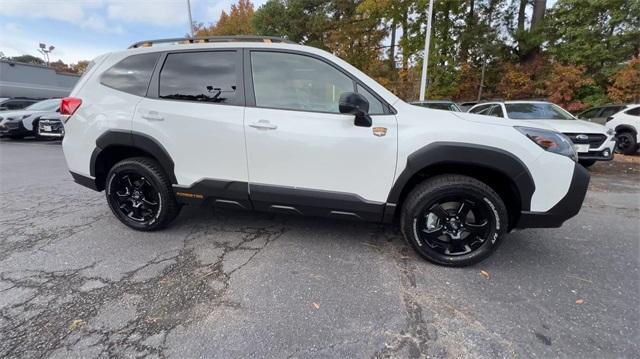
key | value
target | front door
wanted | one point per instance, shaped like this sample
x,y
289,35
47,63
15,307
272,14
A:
x,y
303,155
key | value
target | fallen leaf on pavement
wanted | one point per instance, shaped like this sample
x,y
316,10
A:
x,y
579,301
76,324
485,274
316,305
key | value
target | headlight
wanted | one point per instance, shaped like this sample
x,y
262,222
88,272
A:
x,y
550,141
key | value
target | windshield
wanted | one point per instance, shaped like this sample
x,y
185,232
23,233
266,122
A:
x,y
537,111
46,105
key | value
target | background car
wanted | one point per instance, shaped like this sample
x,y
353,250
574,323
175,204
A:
x,y
16,103
22,123
438,105
601,113
465,106
592,142
626,123
50,126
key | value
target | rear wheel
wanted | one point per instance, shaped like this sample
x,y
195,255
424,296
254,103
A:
x,y
626,143
140,194
454,220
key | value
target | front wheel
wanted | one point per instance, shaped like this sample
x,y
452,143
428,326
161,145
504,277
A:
x,y
453,220
140,194
626,143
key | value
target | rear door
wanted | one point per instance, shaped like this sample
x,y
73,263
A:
x,y
304,156
194,109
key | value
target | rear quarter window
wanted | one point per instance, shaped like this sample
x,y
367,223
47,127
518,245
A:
x,y
132,74
634,111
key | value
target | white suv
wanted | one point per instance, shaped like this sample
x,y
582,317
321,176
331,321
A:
x,y
263,124
626,123
592,141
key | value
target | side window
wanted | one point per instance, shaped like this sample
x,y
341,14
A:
x,y
634,111
375,106
496,111
132,74
590,113
610,111
209,76
479,109
14,105
297,82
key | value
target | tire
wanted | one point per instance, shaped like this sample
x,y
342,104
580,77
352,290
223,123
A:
x,y
626,143
442,197
140,195
587,163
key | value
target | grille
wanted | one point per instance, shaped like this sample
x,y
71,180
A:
x,y
594,140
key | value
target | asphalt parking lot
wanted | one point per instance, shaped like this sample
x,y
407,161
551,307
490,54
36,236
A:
x,y
74,282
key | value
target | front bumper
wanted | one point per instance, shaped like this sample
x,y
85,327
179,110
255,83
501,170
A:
x,y
604,155
51,128
566,208
13,128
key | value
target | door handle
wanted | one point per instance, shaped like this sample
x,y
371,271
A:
x,y
153,116
263,125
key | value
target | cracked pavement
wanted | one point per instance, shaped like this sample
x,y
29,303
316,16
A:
x,y
74,282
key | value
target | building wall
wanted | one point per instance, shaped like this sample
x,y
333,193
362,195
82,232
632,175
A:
x,y
34,81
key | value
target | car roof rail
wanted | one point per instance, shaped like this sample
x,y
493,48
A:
x,y
206,39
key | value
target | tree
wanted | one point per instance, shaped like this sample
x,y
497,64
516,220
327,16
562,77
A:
x,y
80,67
301,21
625,83
563,84
27,59
237,22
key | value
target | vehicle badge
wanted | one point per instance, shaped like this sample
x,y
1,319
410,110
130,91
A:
x,y
379,131
582,137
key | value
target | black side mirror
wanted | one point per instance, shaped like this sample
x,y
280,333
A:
x,y
356,104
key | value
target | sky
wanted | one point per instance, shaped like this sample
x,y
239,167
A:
x,y
84,29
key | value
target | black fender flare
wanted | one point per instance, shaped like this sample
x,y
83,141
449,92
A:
x,y
454,153
137,140
626,128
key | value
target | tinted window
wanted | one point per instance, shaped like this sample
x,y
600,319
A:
x,y
479,108
132,74
537,111
610,111
297,82
200,76
634,111
14,105
375,106
590,113
496,111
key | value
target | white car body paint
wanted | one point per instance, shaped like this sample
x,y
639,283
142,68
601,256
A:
x,y
307,150
623,119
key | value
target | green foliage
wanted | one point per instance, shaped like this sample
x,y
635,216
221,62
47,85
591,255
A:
x,y
27,59
574,53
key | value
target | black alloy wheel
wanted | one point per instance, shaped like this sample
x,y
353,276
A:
x,y
626,143
453,220
140,195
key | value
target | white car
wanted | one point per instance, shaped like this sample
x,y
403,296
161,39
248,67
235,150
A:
x,y
264,124
627,126
593,142
21,123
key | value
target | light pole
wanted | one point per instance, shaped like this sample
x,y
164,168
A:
x,y
425,63
190,20
45,52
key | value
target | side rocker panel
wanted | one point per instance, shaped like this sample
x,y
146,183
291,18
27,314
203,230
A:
x,y
442,153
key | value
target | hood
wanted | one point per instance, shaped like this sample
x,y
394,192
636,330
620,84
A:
x,y
566,126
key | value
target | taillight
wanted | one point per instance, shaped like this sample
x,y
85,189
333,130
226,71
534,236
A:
x,y
68,107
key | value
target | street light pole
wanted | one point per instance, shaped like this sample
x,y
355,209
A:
x,y
425,63
45,52
190,20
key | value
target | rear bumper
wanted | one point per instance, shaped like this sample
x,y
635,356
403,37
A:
x,y
568,206
88,182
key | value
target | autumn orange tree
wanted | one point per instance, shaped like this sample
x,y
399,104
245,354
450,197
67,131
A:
x,y
625,83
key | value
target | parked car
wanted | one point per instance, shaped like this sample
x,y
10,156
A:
x,y
592,142
601,113
50,126
438,105
627,126
297,130
22,123
17,103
